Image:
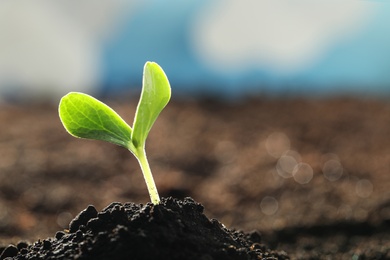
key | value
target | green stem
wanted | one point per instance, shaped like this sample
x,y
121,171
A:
x,y
143,162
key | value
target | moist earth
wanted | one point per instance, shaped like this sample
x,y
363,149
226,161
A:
x,y
173,229
312,175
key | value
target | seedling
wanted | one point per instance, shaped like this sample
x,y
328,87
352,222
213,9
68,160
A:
x,y
86,117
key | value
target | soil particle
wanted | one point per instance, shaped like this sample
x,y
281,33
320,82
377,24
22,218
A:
x,y
174,229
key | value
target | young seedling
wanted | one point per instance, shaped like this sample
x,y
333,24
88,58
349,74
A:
x,y
86,117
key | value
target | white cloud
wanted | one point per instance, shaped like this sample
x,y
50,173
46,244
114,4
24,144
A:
x,y
284,35
50,47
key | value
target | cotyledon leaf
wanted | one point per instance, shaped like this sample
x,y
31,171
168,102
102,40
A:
x,y
155,95
86,117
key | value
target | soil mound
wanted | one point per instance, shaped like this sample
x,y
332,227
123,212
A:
x,y
174,229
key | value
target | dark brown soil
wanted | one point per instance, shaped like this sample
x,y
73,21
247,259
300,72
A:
x,y
237,159
174,229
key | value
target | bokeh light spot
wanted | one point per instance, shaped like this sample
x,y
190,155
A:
x,y
332,170
286,164
364,188
302,173
269,205
63,219
277,143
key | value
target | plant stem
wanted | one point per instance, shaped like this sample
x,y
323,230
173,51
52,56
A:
x,y
143,162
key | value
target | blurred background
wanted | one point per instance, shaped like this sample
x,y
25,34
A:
x,y
227,49
279,119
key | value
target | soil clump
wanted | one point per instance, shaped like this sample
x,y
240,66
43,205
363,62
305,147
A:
x,y
174,229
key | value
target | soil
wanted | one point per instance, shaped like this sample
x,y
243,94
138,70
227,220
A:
x,y
174,229
311,175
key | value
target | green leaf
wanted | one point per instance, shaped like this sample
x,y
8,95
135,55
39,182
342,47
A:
x,y
155,95
86,117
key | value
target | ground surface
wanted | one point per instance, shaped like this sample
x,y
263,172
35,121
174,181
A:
x,y
311,175
175,229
